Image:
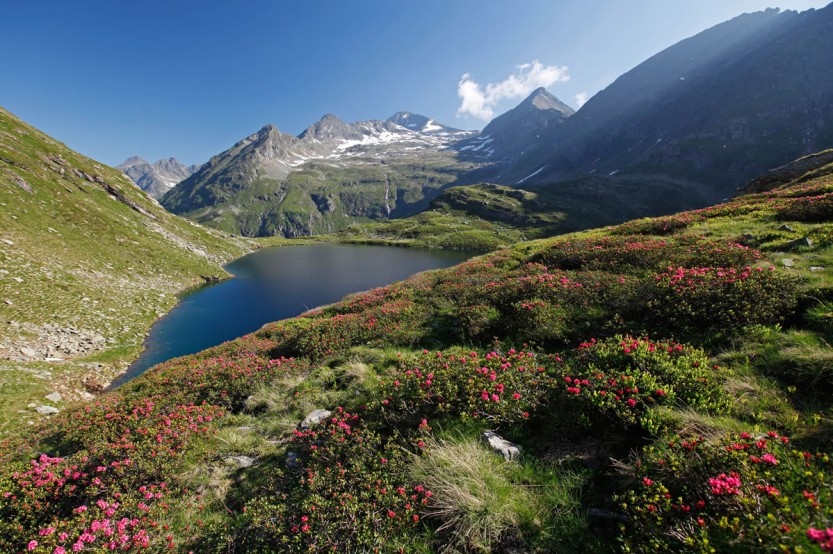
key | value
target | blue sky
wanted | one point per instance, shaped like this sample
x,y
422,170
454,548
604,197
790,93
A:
x,y
188,78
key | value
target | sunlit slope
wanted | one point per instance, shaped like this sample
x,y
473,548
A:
x,y
87,262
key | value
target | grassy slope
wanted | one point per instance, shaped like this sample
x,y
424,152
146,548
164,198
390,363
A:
x,y
420,412
486,216
77,255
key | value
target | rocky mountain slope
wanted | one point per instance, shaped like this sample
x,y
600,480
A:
x,y
707,114
332,174
659,386
156,178
87,263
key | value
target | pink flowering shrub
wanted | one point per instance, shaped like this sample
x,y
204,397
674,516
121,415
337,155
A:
x,y
697,298
811,209
348,494
620,381
497,387
739,493
109,495
658,225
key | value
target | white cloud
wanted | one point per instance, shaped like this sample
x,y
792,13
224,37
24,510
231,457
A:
x,y
480,102
581,99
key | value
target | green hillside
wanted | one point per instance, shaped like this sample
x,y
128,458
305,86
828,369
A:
x,y
667,381
87,263
486,216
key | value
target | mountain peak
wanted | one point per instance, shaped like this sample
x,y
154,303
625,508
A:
x,y
542,99
131,161
268,129
419,123
328,127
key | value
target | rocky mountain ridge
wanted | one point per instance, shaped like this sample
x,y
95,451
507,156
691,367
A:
x,y
331,174
156,178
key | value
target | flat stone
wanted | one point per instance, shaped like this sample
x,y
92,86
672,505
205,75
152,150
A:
x,y
315,417
788,262
816,268
786,227
47,410
241,461
54,397
508,450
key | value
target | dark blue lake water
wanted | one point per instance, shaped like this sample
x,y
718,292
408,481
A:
x,y
277,283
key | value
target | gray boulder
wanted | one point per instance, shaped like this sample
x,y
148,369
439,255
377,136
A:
x,y
314,418
508,450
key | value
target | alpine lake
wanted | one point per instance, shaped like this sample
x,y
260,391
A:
x,y
273,284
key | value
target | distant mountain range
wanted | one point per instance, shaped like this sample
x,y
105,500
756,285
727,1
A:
x,y
332,174
683,129
156,178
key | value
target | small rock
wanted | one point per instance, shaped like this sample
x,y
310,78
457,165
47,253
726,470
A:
x,y
292,460
804,241
315,417
31,405
786,227
816,268
508,450
788,262
245,428
240,461
28,352
54,397
47,410
17,279
605,514
7,241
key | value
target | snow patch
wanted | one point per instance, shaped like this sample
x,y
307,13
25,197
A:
x,y
431,126
531,175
